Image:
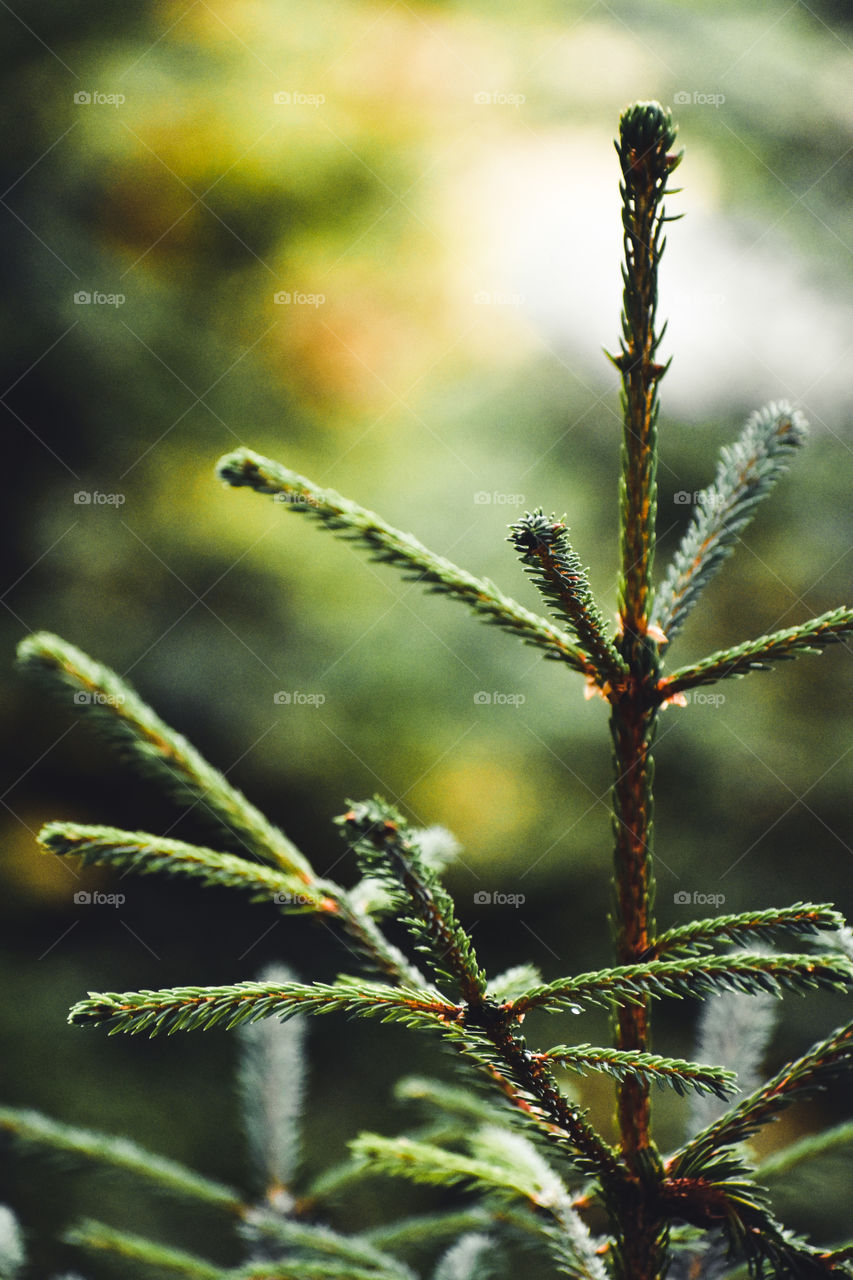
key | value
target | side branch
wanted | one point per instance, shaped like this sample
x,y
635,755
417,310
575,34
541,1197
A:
x,y
797,1079
400,549
692,976
200,1008
110,701
803,918
758,655
747,471
388,852
555,568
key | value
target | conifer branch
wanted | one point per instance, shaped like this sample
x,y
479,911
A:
x,y
35,1132
692,976
529,1086
506,1166
144,853
200,1008
140,733
426,1163
802,919
725,1194
623,1064
746,473
646,138
757,655
553,565
796,1080
157,749
149,854
402,550
388,852
162,1261
566,1237
708,1186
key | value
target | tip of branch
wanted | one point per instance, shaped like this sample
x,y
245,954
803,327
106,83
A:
x,y
37,647
238,468
646,138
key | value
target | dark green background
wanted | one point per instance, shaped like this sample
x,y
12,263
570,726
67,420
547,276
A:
x,y
197,199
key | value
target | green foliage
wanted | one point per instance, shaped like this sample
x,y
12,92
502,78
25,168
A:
x,y
388,852
810,1148
554,566
690,977
521,1146
621,1064
748,470
800,1079
200,1008
757,655
319,1244
140,734
399,549
802,919
150,855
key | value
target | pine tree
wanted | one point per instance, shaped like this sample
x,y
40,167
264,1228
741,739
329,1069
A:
x,y
534,1168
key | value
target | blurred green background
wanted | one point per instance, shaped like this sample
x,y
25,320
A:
x,y
433,187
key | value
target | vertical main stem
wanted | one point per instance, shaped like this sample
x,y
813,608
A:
x,y
632,729
645,139
632,725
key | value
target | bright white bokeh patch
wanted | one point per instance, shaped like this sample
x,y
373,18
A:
x,y
748,322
